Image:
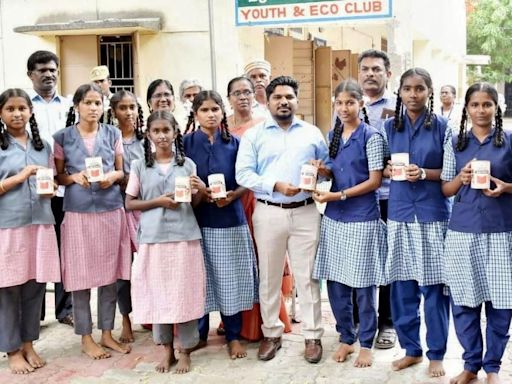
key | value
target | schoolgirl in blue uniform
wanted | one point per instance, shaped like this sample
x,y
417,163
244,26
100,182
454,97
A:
x,y
125,109
417,221
28,245
352,249
231,282
479,238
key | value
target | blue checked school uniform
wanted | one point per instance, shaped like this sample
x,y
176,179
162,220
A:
x,y
352,248
478,252
231,284
417,221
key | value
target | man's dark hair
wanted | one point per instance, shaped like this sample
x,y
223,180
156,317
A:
x,y
282,80
41,57
373,53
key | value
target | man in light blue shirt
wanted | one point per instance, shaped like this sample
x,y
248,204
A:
x,y
50,110
285,219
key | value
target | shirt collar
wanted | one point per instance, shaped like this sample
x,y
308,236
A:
x,y
487,139
271,123
34,96
387,95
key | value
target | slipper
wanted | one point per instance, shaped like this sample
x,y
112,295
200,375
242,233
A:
x,y
68,320
386,338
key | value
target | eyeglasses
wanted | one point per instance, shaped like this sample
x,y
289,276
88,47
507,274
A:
x,y
237,94
167,95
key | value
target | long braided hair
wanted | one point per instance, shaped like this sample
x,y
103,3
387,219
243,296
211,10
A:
x,y
399,109
79,96
114,102
462,139
200,98
352,87
178,139
37,142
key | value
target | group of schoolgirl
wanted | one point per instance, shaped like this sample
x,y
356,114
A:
x,y
188,250
462,257
191,258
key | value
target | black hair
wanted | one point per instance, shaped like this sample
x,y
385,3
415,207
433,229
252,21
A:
x,y
178,139
152,87
355,91
239,78
399,111
37,142
79,96
200,98
451,87
462,139
41,57
374,53
115,100
282,80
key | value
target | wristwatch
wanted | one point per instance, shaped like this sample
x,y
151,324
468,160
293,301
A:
x,y
423,174
343,195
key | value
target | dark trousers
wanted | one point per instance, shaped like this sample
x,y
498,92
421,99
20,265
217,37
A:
x,y
406,301
340,298
232,325
63,303
384,309
467,326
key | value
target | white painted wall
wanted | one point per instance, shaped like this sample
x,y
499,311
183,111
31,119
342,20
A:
x,y
428,33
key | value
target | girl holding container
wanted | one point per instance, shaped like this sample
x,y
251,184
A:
x,y
95,249
417,221
477,170
168,270
29,256
352,248
231,284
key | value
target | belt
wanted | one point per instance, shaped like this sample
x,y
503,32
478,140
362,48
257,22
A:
x,y
295,204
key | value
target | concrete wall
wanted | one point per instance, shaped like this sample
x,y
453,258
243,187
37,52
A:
x,y
429,33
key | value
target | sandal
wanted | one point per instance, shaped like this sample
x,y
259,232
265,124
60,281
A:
x,y
386,338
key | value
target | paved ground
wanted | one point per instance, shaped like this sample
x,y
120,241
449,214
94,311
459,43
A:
x,y
66,364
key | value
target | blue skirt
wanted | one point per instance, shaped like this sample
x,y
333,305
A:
x,y
231,272
479,268
415,252
351,253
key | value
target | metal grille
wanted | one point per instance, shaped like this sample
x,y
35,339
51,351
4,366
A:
x,y
116,54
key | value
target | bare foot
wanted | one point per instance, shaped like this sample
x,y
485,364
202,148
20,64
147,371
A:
x,y
405,362
108,341
493,378
18,364
183,363
465,377
168,359
436,369
364,359
343,352
31,356
236,350
93,350
127,333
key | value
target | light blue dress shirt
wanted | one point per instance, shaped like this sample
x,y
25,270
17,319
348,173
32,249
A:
x,y
268,154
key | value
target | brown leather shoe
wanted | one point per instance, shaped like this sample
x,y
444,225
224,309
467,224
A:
x,y
313,351
268,348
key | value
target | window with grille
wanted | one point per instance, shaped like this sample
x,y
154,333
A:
x,y
116,54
